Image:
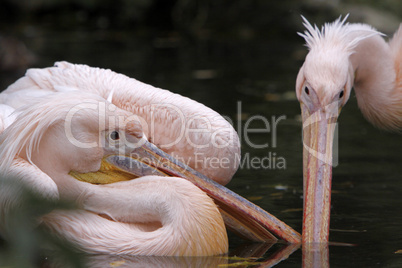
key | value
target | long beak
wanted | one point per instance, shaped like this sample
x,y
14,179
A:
x,y
240,215
318,135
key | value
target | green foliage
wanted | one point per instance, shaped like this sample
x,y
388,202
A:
x,y
27,243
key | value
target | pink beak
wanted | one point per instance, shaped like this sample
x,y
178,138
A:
x,y
240,215
318,135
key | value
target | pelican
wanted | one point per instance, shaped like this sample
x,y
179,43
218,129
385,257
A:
x,y
342,56
89,135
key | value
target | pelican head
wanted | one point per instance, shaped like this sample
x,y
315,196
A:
x,y
323,87
326,76
63,125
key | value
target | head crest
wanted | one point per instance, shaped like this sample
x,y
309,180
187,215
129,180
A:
x,y
339,34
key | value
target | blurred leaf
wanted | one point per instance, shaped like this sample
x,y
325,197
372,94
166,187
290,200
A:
x,y
255,198
27,244
117,263
240,262
292,210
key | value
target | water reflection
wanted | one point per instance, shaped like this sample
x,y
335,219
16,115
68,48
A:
x,y
244,256
316,255
280,255
100,261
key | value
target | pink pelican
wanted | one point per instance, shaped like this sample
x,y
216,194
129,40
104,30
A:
x,y
342,56
88,135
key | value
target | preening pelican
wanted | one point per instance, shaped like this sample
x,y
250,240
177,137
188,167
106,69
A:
x,y
178,125
171,215
342,56
69,142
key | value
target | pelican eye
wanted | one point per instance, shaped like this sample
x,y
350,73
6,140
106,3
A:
x,y
341,94
114,135
306,90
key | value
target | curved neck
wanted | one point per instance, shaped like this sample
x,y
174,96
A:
x,y
374,83
145,216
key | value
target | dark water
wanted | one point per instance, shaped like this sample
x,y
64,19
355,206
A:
x,y
257,77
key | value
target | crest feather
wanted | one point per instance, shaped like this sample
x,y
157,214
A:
x,y
338,33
